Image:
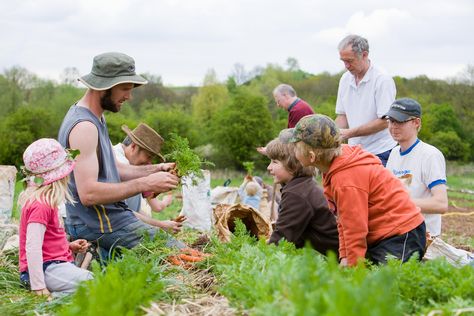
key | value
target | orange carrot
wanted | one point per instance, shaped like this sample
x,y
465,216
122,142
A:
x,y
189,258
194,252
180,218
175,260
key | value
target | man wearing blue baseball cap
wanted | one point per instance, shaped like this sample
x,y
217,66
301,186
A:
x,y
420,166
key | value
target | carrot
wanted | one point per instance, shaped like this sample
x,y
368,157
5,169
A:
x,y
175,260
180,219
189,258
194,252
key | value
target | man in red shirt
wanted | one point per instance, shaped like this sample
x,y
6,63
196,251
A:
x,y
286,98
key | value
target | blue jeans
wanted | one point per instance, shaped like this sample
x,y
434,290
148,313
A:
x,y
128,236
384,157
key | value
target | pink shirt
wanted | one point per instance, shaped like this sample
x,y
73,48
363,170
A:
x,y
55,244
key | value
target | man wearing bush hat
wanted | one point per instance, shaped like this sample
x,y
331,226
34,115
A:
x,y
99,184
420,166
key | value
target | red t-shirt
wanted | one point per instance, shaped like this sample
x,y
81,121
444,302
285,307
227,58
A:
x,y
296,111
55,244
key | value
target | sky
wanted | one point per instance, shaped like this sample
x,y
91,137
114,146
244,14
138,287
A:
x,y
181,40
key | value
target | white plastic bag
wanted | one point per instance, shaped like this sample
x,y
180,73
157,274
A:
x,y
456,257
197,202
7,192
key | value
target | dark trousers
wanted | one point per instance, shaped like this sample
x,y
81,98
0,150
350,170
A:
x,y
401,246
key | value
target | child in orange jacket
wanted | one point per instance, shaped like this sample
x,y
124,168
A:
x,y
375,215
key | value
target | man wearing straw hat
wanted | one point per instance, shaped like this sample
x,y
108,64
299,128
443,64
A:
x,y
99,184
138,148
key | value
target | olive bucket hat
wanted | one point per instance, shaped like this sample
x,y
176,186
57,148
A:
x,y
147,138
111,69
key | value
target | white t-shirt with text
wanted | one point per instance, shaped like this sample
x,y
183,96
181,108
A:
x,y
420,168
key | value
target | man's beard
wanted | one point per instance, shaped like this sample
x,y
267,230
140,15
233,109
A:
x,y
106,102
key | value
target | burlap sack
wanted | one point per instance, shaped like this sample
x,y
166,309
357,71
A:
x,y
7,192
224,195
225,216
6,231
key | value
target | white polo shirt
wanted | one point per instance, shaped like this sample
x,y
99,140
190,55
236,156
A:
x,y
367,102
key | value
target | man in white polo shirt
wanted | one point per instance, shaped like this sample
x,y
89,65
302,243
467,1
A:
x,y
420,166
365,94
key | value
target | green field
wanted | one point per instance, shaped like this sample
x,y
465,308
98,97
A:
x,y
248,277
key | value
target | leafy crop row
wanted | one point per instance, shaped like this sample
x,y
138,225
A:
x,y
258,279
270,280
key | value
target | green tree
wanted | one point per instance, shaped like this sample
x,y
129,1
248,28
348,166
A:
x,y
442,117
451,145
167,121
205,104
115,122
242,126
20,129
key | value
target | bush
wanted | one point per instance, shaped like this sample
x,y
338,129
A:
x,y
20,129
242,126
451,145
173,120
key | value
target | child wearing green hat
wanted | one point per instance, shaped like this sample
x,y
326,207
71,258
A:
x,y
375,216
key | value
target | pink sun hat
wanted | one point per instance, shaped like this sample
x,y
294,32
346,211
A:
x,y
47,159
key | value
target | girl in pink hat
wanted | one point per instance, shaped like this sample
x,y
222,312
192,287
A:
x,y
46,260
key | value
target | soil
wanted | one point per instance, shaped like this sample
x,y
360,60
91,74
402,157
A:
x,y
458,226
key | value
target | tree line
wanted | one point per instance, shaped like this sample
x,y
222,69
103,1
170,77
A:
x,y
225,121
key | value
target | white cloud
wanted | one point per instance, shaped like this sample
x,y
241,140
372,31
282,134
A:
x,y
181,39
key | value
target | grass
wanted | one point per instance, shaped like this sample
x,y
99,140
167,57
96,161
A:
x,y
256,278
259,279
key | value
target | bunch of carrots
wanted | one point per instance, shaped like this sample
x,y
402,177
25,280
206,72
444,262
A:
x,y
187,257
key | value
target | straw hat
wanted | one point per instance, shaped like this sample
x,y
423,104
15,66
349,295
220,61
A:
x,y
146,137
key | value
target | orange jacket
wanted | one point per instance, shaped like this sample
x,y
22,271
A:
x,y
370,203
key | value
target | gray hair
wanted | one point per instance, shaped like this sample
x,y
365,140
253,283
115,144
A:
x,y
358,44
284,89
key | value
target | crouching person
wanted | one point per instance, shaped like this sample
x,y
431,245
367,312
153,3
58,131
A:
x,y
46,261
375,216
304,215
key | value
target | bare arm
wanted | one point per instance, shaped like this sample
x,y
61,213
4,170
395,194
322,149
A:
x,y
341,121
130,172
170,226
158,205
369,128
84,136
262,150
437,203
